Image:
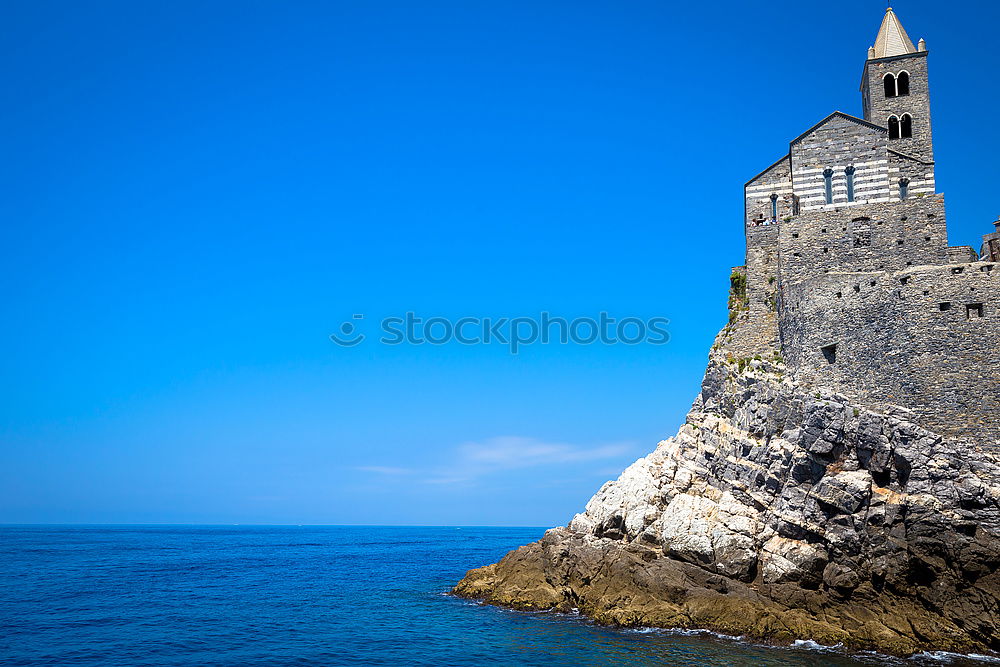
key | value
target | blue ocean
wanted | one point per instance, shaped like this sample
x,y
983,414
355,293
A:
x,y
235,595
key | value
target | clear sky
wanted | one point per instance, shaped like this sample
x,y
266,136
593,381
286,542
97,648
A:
x,y
195,195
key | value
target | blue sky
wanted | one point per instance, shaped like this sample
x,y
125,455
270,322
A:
x,y
197,194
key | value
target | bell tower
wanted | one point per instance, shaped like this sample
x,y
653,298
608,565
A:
x,y
894,89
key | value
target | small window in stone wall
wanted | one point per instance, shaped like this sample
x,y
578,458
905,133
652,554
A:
x,y
904,188
944,306
889,84
849,174
829,353
906,126
958,269
893,127
828,185
973,311
903,84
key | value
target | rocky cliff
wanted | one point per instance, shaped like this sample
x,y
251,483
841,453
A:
x,y
781,513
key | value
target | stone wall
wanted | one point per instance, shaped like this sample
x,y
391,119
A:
x,y
924,338
840,142
777,180
886,236
962,253
990,249
919,176
753,329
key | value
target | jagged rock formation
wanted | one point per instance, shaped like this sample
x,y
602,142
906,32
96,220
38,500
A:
x,y
781,513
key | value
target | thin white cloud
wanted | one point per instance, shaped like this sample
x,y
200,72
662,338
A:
x,y
472,460
517,452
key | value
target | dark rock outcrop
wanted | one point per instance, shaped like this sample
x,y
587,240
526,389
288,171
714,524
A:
x,y
781,513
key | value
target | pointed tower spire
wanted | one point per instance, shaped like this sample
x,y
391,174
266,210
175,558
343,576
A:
x,y
892,40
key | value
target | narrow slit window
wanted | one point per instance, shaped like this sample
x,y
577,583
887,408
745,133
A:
x,y
828,184
904,188
849,172
774,208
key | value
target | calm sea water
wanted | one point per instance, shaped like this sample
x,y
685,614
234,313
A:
x,y
181,595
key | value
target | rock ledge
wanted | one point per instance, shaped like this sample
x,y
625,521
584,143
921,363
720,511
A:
x,y
780,514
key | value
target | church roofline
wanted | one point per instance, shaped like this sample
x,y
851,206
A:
x,y
859,121
786,156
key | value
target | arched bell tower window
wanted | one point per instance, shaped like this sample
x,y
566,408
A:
x,y
906,126
774,207
849,172
828,184
889,80
893,127
903,84
904,188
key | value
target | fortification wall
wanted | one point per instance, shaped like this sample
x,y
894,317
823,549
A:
x,y
925,338
754,326
883,236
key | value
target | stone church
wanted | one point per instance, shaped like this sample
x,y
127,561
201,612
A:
x,y
849,276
